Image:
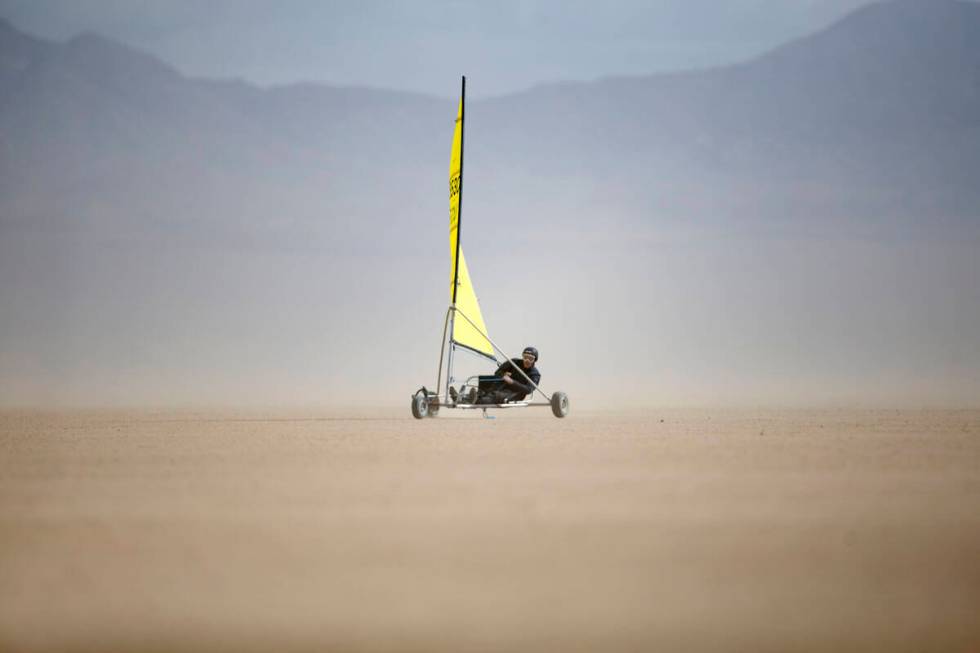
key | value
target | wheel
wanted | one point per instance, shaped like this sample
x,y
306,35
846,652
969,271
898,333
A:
x,y
559,404
420,405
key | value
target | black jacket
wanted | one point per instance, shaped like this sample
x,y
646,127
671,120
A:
x,y
520,383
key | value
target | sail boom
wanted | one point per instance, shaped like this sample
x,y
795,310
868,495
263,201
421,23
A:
x,y
475,351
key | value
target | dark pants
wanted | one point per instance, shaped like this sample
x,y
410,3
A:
x,y
500,396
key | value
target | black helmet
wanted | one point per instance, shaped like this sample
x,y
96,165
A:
x,y
532,351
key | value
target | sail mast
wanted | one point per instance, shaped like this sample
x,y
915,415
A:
x,y
459,224
470,333
459,190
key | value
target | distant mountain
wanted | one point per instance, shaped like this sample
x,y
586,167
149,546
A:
x,y
91,123
118,172
888,96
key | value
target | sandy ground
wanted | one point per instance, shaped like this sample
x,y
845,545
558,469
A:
x,y
664,530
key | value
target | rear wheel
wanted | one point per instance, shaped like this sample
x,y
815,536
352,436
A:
x,y
559,404
420,405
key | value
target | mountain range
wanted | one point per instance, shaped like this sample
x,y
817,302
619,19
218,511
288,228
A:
x,y
154,223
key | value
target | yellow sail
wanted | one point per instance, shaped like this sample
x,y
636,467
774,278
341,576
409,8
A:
x,y
466,330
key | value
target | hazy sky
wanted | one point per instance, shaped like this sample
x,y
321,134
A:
x,y
503,46
187,262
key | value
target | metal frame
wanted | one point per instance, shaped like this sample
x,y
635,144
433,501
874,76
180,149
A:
x,y
513,404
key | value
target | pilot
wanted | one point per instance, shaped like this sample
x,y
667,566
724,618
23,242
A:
x,y
515,386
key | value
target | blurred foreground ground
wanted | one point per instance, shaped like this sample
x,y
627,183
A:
x,y
664,530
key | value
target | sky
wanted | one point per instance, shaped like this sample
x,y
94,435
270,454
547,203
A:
x,y
502,46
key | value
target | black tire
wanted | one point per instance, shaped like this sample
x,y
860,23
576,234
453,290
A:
x,y
420,405
559,404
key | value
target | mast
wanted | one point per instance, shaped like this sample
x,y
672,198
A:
x,y
459,211
459,234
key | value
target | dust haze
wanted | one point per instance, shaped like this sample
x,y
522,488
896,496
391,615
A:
x,y
794,229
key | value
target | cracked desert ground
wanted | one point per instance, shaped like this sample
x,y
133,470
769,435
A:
x,y
356,530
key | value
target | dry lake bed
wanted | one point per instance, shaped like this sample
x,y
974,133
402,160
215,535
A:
x,y
670,530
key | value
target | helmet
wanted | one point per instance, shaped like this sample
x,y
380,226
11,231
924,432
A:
x,y
532,351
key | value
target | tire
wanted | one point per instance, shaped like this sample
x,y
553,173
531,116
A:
x,y
559,404
420,405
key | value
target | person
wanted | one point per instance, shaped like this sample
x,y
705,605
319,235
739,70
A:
x,y
514,386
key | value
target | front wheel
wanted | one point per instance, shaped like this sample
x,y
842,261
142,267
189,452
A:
x,y
559,404
420,405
